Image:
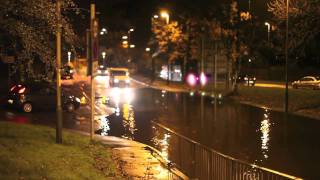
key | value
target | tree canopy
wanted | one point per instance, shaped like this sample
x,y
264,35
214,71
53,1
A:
x,y
27,28
304,22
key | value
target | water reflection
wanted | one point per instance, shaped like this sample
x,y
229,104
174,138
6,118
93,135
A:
x,y
104,126
265,134
128,122
161,141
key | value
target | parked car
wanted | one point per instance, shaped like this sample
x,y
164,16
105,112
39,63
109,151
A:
x,y
119,77
39,96
67,72
307,82
102,71
248,80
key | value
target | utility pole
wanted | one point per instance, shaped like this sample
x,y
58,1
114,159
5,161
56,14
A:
x,y
92,56
286,99
58,75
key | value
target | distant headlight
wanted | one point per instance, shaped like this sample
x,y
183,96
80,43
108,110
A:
x,y
116,80
78,100
127,81
246,78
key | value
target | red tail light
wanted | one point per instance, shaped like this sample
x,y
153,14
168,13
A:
x,y
22,90
13,87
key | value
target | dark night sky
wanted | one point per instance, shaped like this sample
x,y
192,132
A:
x,y
122,14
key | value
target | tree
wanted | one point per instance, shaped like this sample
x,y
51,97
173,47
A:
x,y
169,38
304,22
28,27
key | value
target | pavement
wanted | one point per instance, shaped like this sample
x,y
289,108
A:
x,y
138,161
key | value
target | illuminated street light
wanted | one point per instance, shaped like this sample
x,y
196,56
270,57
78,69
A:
x,y
268,26
69,57
131,30
124,37
132,46
165,14
156,16
124,42
147,49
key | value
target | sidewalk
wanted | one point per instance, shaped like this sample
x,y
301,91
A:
x,y
138,161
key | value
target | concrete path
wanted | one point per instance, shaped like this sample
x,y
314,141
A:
x,y
138,161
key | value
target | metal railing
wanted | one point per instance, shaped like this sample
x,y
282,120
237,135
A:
x,y
203,163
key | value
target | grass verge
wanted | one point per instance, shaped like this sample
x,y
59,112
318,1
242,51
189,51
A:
x,y
274,97
30,152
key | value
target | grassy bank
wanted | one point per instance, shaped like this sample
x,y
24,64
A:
x,y
274,97
30,152
304,102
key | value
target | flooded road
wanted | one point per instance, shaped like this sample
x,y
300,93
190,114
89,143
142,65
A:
x,y
257,136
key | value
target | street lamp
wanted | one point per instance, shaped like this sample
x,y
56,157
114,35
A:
x,y
155,16
132,46
268,26
69,57
124,37
147,49
165,14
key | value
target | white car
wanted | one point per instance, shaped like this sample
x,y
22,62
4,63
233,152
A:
x,y
119,77
307,82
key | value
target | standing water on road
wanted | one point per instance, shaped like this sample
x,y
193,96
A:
x,y
255,135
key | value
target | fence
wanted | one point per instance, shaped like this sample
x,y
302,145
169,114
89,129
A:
x,y
203,163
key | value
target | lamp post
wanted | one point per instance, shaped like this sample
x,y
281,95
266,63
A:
x,y
129,32
268,26
69,57
58,76
286,99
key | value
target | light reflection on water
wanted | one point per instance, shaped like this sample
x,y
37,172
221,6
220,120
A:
x,y
104,125
265,134
162,142
128,121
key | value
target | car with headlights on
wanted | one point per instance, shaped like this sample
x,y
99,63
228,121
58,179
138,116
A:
x,y
248,80
119,77
312,82
39,96
102,71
